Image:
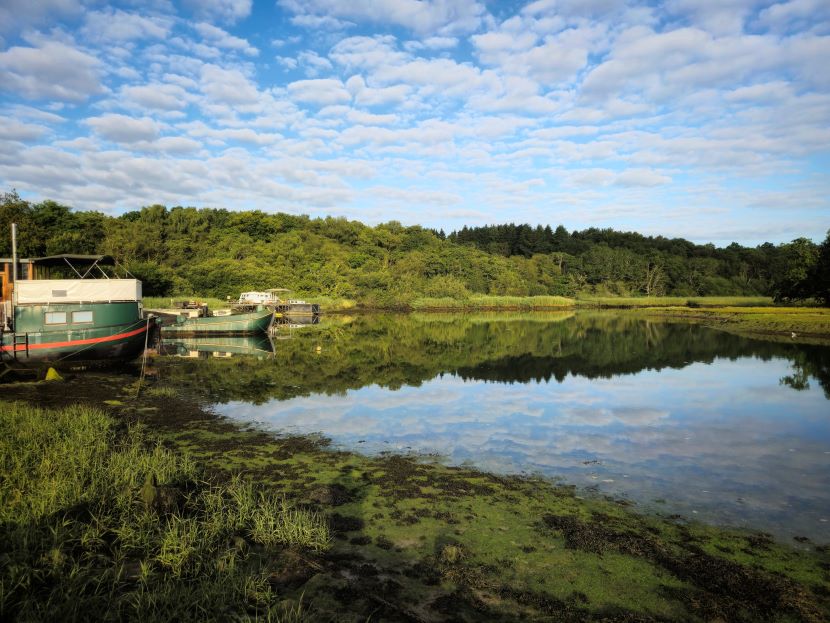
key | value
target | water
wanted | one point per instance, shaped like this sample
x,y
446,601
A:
x,y
673,416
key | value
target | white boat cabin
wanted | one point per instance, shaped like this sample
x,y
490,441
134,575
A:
x,y
45,291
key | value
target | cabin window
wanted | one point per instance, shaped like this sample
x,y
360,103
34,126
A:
x,y
55,317
58,293
81,316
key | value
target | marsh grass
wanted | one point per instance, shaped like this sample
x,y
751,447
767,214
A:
x,y
671,301
100,523
162,391
480,302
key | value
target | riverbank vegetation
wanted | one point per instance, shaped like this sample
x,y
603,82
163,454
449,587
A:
x,y
804,324
218,253
100,523
411,540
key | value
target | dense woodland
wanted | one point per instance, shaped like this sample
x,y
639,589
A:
x,y
217,252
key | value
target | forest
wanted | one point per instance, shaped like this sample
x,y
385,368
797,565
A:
x,y
183,251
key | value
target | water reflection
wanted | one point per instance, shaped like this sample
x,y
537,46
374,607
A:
x,y
707,421
219,346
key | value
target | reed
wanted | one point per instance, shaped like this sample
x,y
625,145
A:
x,y
670,301
487,302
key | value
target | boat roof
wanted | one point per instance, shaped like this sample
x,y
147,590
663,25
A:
x,y
63,258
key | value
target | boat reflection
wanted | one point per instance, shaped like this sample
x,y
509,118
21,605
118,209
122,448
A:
x,y
219,346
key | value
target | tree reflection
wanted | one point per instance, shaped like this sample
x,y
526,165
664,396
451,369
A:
x,y
391,350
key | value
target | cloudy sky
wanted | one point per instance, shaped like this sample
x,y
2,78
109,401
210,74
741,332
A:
x,y
708,119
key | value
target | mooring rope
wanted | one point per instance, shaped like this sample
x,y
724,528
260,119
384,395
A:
x,y
143,358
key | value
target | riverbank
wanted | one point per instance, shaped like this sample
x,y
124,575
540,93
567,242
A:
x,y
802,324
752,315
412,540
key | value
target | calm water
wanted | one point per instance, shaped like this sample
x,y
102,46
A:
x,y
671,415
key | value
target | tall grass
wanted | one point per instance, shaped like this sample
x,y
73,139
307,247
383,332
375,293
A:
x,y
100,523
671,301
485,302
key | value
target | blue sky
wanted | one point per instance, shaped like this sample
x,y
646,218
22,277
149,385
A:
x,y
707,119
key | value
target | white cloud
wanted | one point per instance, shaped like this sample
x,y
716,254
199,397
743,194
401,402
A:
x,y
20,111
223,39
671,64
123,129
177,144
364,118
53,70
289,62
155,96
432,43
224,10
314,63
13,130
320,22
115,25
368,96
767,92
227,86
719,17
19,14
367,52
797,14
641,177
221,136
321,92
423,17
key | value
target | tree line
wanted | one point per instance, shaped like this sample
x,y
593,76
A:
x,y
217,252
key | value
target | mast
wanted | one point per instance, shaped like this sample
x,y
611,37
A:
x,y
14,262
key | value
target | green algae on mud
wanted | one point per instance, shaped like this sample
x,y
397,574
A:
x,y
420,541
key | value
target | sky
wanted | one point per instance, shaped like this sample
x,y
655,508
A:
x,y
703,119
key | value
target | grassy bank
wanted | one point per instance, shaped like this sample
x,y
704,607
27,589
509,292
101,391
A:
x,y
799,323
483,303
616,302
98,523
412,540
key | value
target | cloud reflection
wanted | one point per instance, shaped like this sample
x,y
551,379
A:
x,y
723,439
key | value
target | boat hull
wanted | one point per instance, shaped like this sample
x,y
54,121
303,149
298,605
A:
x,y
239,324
117,333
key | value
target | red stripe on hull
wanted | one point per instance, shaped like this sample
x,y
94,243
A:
x,y
92,340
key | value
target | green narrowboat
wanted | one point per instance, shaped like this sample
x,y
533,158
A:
x,y
57,321
235,324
